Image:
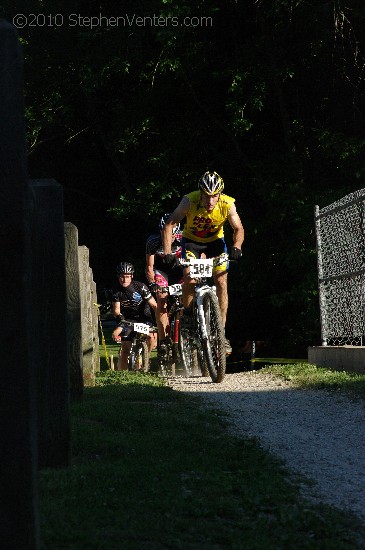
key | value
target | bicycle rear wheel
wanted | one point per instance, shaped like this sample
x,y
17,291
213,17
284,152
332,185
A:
x,y
214,346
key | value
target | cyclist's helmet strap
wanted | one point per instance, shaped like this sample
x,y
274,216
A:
x,y
164,219
211,183
124,267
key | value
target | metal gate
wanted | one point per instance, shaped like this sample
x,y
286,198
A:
x,y
340,234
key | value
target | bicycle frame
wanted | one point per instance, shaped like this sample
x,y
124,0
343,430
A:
x,y
172,356
175,293
200,290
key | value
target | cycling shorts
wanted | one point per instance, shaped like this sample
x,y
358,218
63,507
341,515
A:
x,y
213,249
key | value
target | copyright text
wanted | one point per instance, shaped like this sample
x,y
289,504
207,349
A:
x,y
77,20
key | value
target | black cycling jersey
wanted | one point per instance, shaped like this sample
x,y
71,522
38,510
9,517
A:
x,y
134,301
154,248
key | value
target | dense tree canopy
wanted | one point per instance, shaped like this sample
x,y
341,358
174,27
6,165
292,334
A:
x,y
127,114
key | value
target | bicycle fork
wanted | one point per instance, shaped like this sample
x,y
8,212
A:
x,y
174,332
200,310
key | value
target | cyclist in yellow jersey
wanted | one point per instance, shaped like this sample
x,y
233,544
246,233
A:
x,y
206,211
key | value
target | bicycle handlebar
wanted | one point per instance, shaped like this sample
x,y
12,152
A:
x,y
132,323
172,290
218,260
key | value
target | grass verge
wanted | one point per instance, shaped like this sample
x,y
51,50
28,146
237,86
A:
x,y
151,469
306,375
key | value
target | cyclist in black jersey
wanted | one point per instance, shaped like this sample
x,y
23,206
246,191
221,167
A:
x,y
159,273
132,302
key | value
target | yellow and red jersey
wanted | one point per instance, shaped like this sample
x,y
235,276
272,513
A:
x,y
203,226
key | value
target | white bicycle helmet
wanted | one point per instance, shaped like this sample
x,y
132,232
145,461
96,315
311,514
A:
x,y
124,267
211,183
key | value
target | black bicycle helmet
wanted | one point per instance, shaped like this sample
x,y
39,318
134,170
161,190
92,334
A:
x,y
163,220
124,267
211,183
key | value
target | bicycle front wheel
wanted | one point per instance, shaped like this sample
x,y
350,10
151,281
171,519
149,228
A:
x,y
187,352
166,366
214,345
139,357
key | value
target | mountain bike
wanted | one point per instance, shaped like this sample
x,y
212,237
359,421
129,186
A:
x,y
139,357
172,361
203,340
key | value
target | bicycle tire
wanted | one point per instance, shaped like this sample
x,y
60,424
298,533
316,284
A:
x,y
138,359
188,354
202,362
166,365
214,346
177,363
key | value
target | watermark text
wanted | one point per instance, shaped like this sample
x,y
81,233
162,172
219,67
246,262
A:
x,y
22,20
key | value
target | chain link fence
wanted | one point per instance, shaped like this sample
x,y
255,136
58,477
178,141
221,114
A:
x,y
340,234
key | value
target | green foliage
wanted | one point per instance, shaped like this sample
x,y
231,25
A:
x,y
269,94
147,199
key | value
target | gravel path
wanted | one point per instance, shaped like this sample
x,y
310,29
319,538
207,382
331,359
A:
x,y
318,435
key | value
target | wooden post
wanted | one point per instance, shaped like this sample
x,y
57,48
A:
x,y
18,389
86,317
95,322
74,349
49,323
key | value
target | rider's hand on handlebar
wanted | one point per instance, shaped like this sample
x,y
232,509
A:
x,y
169,259
235,254
152,286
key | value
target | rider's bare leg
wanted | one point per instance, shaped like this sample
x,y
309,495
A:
x,y
220,279
188,290
162,319
152,341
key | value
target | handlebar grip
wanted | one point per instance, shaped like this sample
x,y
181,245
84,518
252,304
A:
x,y
163,289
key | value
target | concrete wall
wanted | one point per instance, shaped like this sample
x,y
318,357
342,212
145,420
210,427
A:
x,y
349,358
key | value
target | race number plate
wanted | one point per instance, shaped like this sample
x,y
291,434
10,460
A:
x,y
141,327
175,290
201,268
